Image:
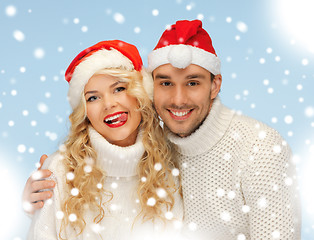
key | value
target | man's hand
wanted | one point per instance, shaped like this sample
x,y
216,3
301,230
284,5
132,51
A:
x,y
36,188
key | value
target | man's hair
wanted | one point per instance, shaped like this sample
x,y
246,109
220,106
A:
x,y
212,76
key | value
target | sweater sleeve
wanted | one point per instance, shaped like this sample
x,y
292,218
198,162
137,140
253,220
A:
x,y
45,223
270,188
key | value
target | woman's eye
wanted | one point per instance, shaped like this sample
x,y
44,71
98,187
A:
x,y
91,99
119,89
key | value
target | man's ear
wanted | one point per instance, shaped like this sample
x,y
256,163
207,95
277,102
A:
x,y
216,84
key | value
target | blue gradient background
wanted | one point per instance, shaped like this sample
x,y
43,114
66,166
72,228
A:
x,y
49,25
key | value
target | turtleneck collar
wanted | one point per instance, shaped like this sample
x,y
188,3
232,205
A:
x,y
208,134
115,160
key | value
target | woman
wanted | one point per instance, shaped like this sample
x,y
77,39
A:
x,y
113,172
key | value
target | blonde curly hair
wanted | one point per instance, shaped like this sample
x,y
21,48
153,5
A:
x,y
91,195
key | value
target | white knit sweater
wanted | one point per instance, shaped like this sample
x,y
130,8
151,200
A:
x,y
238,180
120,164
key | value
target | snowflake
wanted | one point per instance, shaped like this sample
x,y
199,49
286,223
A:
x,y
74,191
241,237
192,226
158,166
262,202
119,18
72,217
276,234
84,29
246,209
87,168
277,149
114,185
227,156
228,19
39,53
42,107
220,192
137,29
155,12
151,201
242,27
70,176
143,179
288,181
175,172
18,35
231,195
169,215
161,192
225,216
10,11
59,214
21,148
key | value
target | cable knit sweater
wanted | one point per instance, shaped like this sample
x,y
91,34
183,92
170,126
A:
x,y
238,180
120,164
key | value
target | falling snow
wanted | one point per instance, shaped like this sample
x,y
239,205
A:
x,y
10,11
39,53
155,12
242,27
262,93
119,18
19,35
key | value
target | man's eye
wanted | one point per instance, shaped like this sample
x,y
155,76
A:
x,y
119,89
92,98
192,84
166,84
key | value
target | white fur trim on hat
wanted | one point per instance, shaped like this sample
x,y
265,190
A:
x,y
181,56
88,67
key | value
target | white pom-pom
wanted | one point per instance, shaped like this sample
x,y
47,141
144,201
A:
x,y
180,56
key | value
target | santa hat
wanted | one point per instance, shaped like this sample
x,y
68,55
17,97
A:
x,y
185,43
105,54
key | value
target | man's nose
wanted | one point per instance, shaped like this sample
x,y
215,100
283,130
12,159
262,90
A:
x,y
179,96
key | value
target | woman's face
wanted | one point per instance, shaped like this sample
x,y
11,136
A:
x,y
112,112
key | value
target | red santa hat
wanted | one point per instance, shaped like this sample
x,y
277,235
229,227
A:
x,y
185,43
105,54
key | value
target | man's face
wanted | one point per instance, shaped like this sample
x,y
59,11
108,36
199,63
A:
x,y
183,97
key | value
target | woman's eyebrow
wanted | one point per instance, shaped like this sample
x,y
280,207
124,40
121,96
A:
x,y
90,92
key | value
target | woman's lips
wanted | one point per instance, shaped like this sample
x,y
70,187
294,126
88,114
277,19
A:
x,y
117,119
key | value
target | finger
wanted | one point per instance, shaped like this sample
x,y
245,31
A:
x,y
42,160
40,196
37,205
40,174
31,207
42,185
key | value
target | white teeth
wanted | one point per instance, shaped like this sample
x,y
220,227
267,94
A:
x,y
180,114
113,117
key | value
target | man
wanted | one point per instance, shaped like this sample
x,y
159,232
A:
x,y
238,181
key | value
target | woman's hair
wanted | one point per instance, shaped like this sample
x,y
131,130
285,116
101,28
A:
x,y
80,159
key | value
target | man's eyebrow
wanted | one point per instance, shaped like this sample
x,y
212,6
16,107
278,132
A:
x,y
161,76
196,75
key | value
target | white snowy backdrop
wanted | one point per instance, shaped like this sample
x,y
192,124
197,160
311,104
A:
x,y
267,53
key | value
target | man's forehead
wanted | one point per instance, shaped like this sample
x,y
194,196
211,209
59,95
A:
x,y
167,70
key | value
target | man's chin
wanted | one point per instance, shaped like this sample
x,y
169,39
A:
x,y
179,132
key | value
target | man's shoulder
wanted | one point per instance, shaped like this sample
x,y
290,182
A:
x,y
255,131
253,124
